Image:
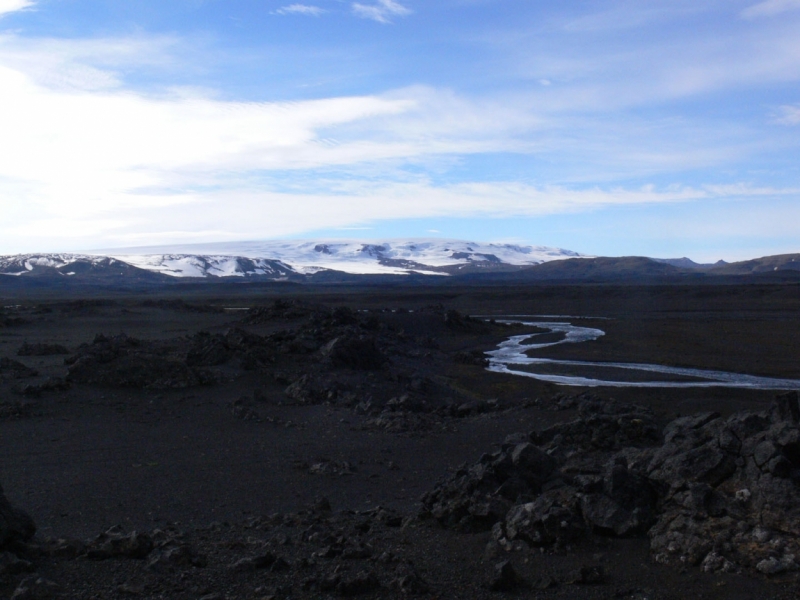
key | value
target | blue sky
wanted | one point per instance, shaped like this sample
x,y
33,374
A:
x,y
648,127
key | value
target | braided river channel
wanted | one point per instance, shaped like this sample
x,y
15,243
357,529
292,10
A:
x,y
511,357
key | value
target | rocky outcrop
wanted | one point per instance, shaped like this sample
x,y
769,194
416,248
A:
x,y
279,309
354,352
122,361
455,321
477,497
13,369
41,349
549,485
730,490
207,350
15,524
721,493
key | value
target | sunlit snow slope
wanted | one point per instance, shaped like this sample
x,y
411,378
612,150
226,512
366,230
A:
x,y
435,257
63,264
281,260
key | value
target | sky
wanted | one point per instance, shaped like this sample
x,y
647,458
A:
x,y
661,128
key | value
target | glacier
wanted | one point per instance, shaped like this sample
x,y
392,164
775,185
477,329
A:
x,y
395,257
284,259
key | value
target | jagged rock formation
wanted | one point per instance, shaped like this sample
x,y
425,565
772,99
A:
x,y
122,361
15,524
13,369
720,493
41,349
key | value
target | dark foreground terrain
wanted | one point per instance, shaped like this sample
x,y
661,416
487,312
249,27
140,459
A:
x,y
336,442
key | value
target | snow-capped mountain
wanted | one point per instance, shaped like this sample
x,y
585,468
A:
x,y
192,265
62,264
344,261
280,258
71,266
287,260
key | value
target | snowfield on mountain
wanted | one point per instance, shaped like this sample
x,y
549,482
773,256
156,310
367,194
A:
x,y
397,257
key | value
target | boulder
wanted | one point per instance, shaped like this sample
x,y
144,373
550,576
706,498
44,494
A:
x,y
505,578
553,517
36,588
354,352
13,369
115,543
123,361
15,524
41,349
730,490
625,507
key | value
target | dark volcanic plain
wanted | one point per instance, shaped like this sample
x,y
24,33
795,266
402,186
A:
x,y
276,441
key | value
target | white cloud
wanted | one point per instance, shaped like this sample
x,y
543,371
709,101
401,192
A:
x,y
87,158
770,8
100,148
301,9
85,64
382,11
85,161
789,115
217,215
9,6
88,165
602,73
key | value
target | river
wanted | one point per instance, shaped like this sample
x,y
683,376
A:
x,y
511,357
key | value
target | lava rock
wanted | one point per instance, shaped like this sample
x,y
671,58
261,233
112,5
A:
x,y
116,544
721,493
175,557
13,369
505,577
15,524
552,517
36,588
122,361
626,505
363,582
455,321
41,350
354,352
11,564
254,563
587,575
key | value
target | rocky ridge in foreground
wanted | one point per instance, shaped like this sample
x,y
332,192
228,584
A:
x,y
723,494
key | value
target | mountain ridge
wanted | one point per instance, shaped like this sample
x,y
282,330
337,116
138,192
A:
x,y
396,261
393,257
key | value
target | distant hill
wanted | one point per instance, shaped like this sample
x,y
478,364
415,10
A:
x,y
626,268
767,264
688,263
638,268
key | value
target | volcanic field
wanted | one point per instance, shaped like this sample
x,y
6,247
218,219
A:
x,y
282,442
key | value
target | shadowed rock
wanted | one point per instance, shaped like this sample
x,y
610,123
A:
x,y
15,524
41,349
721,493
